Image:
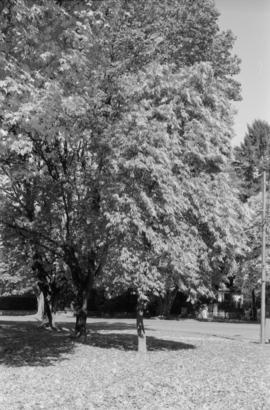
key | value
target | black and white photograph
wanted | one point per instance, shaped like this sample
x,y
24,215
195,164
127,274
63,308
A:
x,y
134,204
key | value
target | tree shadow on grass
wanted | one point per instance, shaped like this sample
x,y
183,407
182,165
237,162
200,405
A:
x,y
98,326
112,326
123,341
129,342
25,344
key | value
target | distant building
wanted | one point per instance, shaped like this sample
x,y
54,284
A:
x,y
230,295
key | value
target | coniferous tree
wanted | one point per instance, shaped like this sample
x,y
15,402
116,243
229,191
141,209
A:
x,y
250,158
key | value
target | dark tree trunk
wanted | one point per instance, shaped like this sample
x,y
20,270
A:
x,y
254,308
81,306
140,327
83,281
48,311
81,314
83,286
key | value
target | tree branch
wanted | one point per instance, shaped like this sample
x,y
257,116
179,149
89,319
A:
x,y
25,232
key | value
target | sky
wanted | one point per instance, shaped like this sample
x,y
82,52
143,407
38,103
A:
x,y
249,20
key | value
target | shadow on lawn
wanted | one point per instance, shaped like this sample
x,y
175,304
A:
x,y
25,344
129,342
124,341
97,326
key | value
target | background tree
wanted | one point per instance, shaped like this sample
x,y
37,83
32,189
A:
x,y
248,278
250,156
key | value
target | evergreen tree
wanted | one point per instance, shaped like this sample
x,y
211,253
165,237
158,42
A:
x,y
250,158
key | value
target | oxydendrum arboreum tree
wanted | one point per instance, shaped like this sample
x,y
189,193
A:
x,y
116,126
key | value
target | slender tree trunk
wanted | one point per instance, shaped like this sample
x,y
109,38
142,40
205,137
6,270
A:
x,y
140,327
48,312
254,309
40,303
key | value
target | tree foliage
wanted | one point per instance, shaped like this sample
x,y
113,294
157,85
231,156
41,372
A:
x,y
115,142
251,157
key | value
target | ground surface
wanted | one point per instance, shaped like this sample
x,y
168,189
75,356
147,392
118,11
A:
x,y
190,365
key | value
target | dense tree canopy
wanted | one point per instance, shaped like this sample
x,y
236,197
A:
x,y
115,142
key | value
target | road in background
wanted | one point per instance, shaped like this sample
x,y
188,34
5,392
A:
x,y
167,329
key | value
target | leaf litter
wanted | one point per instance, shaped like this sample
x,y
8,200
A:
x,y
52,371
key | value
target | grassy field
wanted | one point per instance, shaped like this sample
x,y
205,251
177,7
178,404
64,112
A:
x,y
190,365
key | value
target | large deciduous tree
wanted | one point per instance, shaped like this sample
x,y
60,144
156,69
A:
x,y
180,218
116,126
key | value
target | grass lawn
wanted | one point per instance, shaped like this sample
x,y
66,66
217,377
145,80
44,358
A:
x,y
190,365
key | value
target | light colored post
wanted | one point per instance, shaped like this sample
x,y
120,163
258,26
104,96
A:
x,y
263,257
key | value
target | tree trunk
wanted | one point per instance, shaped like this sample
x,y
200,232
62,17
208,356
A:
x,y
83,286
81,306
140,327
40,303
48,312
81,315
45,306
254,309
45,296
45,312
83,282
